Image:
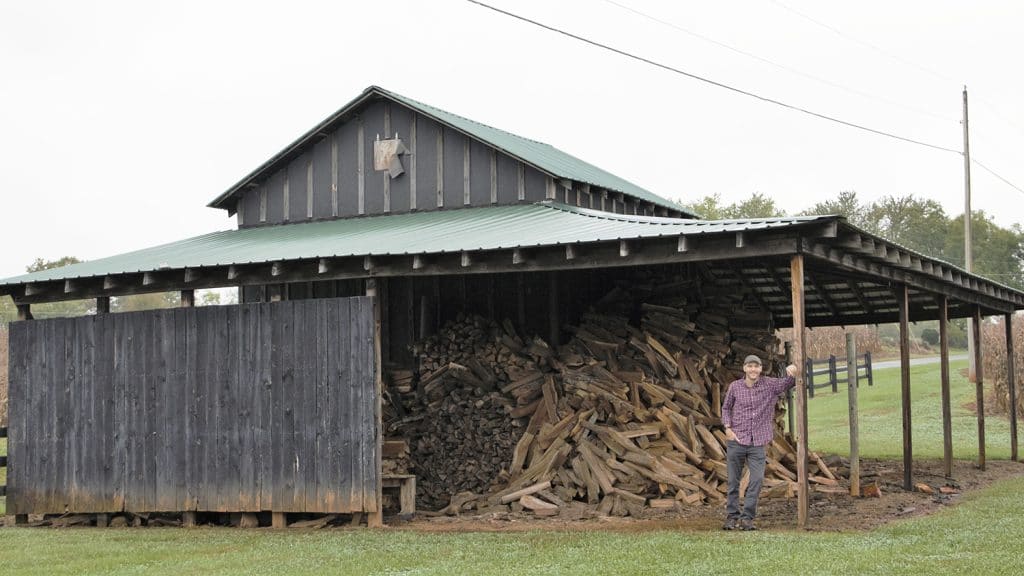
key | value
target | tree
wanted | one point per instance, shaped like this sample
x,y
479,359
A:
x,y
917,224
998,252
710,207
846,204
152,301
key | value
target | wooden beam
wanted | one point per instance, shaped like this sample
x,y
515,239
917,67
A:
x,y
323,266
903,296
233,272
518,257
1011,384
851,393
740,240
192,274
796,268
278,269
70,286
375,519
110,282
683,244
103,305
149,278
570,251
368,263
947,406
465,259
624,248
978,387
418,262
188,298
24,312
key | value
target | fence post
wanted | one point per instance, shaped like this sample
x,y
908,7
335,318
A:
x,y
833,375
810,377
867,368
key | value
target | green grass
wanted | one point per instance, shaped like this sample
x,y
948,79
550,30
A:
x,y
881,427
981,536
3,476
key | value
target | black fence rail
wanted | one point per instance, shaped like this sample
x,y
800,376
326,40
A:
x,y
3,464
832,370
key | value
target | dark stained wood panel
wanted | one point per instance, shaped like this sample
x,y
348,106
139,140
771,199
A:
x,y
243,408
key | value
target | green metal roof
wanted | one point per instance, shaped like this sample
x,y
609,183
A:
x,y
443,231
542,156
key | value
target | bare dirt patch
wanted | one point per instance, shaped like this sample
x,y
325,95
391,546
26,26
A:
x,y
828,512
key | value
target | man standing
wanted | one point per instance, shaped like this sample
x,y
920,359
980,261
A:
x,y
748,413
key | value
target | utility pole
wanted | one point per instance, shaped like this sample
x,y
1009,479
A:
x,y
972,370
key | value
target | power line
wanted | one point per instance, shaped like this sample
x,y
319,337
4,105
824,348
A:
x,y
993,172
781,66
738,90
894,57
711,82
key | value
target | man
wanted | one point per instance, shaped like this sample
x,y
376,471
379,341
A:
x,y
748,413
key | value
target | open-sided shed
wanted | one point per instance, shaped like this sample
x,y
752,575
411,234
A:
x,y
445,214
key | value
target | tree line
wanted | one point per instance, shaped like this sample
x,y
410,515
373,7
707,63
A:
x,y
920,224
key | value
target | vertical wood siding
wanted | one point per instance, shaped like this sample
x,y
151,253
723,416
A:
x,y
231,408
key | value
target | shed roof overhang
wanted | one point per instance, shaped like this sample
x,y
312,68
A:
x,y
852,276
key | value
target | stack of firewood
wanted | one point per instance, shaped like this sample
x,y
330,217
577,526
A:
x,y
622,417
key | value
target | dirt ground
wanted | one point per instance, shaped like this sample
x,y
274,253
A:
x,y
828,512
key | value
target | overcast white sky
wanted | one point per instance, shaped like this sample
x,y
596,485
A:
x,y
121,120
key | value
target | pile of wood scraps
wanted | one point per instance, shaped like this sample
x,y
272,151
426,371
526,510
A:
x,y
623,417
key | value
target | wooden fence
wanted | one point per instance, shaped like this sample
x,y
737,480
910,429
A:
x,y
230,408
832,370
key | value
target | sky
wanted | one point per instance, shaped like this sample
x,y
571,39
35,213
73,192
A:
x,y
120,121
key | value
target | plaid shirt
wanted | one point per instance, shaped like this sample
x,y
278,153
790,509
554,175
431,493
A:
x,y
750,412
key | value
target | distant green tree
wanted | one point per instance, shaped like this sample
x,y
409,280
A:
x,y
152,301
998,252
918,224
930,335
757,206
846,204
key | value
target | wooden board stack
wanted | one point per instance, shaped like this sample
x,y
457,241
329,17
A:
x,y
623,418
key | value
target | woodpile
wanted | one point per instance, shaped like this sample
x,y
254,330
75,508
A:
x,y
623,417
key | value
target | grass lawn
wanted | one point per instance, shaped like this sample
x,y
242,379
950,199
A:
x,y
981,536
881,427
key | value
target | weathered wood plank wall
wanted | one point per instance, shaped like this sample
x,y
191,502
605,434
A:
x,y
265,406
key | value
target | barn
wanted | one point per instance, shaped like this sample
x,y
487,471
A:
x,y
358,242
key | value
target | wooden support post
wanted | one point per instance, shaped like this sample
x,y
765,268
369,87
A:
x,y
521,300
188,298
903,296
789,393
796,267
24,312
279,519
20,519
851,391
553,318
947,407
188,519
103,305
102,520
375,519
978,387
1011,384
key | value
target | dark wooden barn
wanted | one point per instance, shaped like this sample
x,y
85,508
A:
x,y
358,239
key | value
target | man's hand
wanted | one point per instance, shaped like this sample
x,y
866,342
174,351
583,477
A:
x,y
729,434
791,370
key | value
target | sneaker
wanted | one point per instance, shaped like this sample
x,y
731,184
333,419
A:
x,y
747,525
730,524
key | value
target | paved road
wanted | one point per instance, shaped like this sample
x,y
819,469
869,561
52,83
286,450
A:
x,y
915,361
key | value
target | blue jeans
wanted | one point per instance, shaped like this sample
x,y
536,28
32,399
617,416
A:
x,y
736,456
